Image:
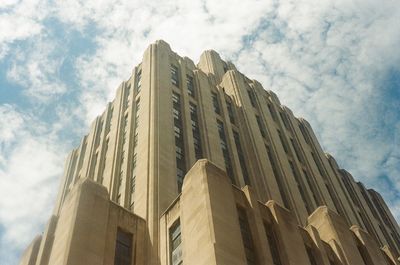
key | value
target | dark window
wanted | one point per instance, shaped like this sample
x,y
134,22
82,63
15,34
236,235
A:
x,y
304,133
312,187
300,187
126,121
110,119
311,256
133,188
318,164
252,97
246,237
174,75
134,162
175,244
242,160
364,254
196,131
190,86
285,120
123,248
225,151
273,244
179,142
230,112
284,145
216,106
261,126
128,91
138,81
272,111
296,150
278,177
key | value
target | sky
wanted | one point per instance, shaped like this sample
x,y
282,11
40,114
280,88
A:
x,y
334,62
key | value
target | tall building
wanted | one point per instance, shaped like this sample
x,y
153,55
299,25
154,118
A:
x,y
201,165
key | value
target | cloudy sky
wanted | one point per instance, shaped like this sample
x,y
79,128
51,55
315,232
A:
x,y
334,62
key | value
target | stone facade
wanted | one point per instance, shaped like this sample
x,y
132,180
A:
x,y
201,165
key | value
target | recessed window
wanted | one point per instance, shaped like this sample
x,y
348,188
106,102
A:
x,y
252,97
273,244
261,126
123,248
230,112
175,244
215,101
174,75
247,237
190,86
138,81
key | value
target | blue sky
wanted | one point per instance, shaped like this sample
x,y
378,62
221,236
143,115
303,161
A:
x,y
335,63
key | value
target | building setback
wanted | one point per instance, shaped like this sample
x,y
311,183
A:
x,y
201,165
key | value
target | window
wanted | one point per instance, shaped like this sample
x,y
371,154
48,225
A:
x,y
310,254
304,133
215,101
126,121
137,105
312,187
285,147
196,131
133,188
120,178
190,86
246,237
225,151
110,119
134,161
174,75
296,150
230,112
300,187
278,177
252,97
273,244
272,111
175,244
285,120
317,163
127,98
123,248
242,160
122,156
260,126
179,142
138,80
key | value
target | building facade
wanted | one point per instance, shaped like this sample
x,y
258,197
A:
x,y
201,165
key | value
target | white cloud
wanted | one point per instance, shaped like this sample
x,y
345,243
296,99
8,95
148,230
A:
x,y
38,71
29,173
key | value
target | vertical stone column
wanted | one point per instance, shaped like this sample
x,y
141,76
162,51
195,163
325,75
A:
x,y
82,226
370,245
333,230
288,234
322,255
47,242
31,253
209,220
259,233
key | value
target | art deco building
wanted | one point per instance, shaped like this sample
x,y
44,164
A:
x,y
202,165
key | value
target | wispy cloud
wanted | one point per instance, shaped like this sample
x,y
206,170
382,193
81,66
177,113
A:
x,y
29,168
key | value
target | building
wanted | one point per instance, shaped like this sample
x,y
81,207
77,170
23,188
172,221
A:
x,y
201,165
